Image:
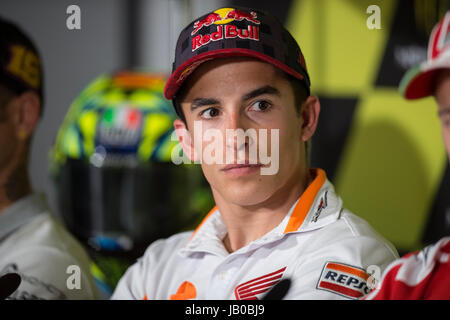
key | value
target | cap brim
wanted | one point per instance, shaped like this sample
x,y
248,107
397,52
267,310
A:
x,y
418,82
182,72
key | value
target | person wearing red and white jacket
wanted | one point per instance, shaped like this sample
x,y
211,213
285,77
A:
x,y
426,274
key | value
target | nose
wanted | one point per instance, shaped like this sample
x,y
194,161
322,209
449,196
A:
x,y
232,125
236,135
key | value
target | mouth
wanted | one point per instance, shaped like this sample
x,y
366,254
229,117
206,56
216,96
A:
x,y
240,169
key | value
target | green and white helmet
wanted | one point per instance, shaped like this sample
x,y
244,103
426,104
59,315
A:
x,y
122,119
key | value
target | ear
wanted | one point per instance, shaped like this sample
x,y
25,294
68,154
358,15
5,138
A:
x,y
187,142
27,109
310,117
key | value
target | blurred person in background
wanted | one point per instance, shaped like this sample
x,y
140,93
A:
x,y
425,274
33,243
116,186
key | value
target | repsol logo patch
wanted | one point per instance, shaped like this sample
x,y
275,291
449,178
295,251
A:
x,y
343,279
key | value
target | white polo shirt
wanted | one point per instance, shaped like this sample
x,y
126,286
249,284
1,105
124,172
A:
x,y
38,248
323,248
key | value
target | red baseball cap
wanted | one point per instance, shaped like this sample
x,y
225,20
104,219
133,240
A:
x,y
418,82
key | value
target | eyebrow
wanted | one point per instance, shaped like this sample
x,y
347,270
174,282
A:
x,y
201,102
261,91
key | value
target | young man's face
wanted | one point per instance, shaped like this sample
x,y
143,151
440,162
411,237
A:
x,y
442,95
224,95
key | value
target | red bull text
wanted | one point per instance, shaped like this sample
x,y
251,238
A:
x,y
221,18
227,32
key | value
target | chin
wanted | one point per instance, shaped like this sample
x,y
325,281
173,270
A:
x,y
244,188
248,193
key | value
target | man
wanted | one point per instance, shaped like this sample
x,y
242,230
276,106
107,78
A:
x,y
239,70
426,274
50,262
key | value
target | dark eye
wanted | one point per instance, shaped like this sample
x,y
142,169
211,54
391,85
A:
x,y
445,120
261,106
209,113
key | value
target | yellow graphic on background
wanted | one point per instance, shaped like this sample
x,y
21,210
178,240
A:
x,y
394,157
392,165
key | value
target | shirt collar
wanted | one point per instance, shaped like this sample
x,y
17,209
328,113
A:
x,y
316,207
20,212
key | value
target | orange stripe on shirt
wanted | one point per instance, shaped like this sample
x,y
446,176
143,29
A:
x,y
348,269
306,201
203,221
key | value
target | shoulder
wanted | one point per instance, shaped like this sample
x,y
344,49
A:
x,y
42,229
158,257
338,258
351,240
329,226
46,233
160,254
165,247
352,233
42,252
47,273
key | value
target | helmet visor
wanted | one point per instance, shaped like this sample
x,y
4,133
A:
x,y
118,208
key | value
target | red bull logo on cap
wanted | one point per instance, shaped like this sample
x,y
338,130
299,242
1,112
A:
x,y
222,17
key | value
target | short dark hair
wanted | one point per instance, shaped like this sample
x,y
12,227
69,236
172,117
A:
x,y
298,88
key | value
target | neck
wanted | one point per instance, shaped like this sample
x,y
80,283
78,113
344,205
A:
x,y
14,182
248,223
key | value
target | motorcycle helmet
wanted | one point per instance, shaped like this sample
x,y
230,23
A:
x,y
116,186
